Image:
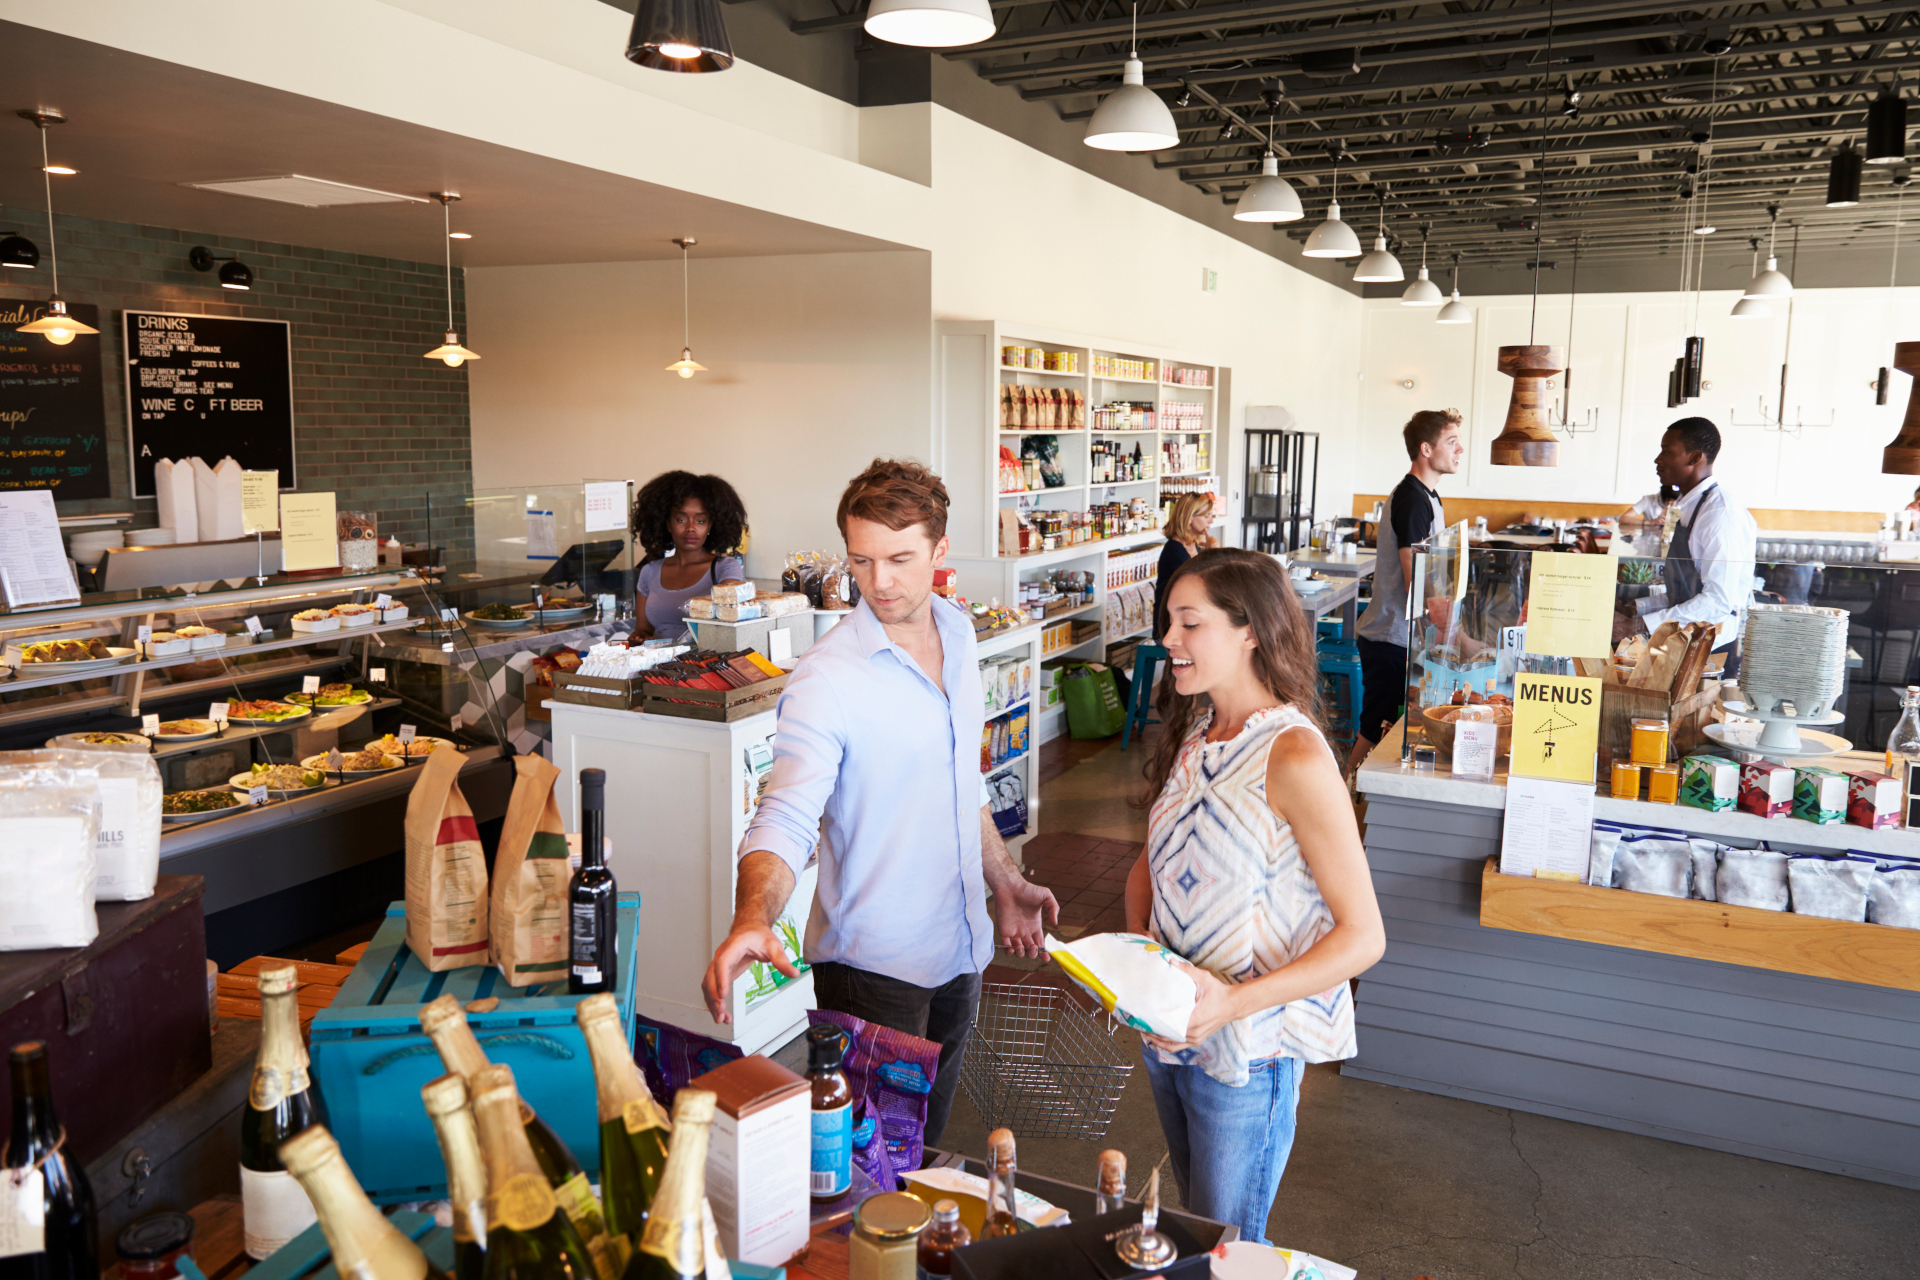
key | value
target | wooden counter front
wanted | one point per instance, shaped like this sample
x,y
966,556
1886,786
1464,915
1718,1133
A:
x,y
1876,954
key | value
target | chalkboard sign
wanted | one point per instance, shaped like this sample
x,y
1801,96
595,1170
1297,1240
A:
x,y
53,420
209,387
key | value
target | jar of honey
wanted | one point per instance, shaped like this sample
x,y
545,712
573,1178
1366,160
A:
x,y
1663,784
1626,780
1649,742
886,1236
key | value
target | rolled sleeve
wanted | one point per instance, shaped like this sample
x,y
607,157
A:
x,y
809,743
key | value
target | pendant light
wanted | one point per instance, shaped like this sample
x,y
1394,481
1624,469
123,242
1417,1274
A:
x,y
1380,266
1456,311
679,35
1893,280
1843,178
1423,292
450,351
1333,238
1771,283
1269,197
235,274
60,327
1751,308
18,252
1132,117
1887,128
686,366
930,24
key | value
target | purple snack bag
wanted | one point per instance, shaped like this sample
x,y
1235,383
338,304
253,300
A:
x,y
670,1056
894,1072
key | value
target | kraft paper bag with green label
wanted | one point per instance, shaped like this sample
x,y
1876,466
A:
x,y
530,874
446,869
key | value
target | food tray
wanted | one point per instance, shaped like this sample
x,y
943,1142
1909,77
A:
x,y
366,619
500,624
304,713
218,640
723,706
213,731
315,625
73,740
188,819
1042,1065
35,670
245,782
320,762
169,648
397,613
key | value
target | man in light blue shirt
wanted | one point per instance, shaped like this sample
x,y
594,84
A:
x,y
877,761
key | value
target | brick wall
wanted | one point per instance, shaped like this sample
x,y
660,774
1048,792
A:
x,y
375,423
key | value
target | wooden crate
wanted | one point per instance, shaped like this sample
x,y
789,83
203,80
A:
x,y
596,691
1621,705
1876,954
723,706
238,989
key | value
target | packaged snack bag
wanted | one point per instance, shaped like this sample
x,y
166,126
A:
x,y
446,869
527,923
1133,977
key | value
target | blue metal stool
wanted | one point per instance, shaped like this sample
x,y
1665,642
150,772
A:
x,y
1343,663
1146,663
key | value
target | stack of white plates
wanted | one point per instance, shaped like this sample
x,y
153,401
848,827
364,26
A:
x,y
89,545
150,538
1795,653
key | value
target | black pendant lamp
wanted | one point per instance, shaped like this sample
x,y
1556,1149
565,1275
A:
x,y
1843,178
18,251
1887,128
680,35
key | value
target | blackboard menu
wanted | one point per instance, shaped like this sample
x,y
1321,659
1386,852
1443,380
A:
x,y
208,387
53,420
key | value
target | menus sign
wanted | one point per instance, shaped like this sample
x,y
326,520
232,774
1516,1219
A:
x,y
208,387
1556,727
53,420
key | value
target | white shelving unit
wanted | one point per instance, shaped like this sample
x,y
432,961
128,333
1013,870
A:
x,y
969,437
1022,642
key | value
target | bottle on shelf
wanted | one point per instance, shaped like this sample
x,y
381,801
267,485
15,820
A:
x,y
943,1235
68,1244
673,1245
633,1127
281,1101
1110,1191
593,912
1001,1175
529,1237
364,1244
445,1023
446,1103
1903,745
832,1161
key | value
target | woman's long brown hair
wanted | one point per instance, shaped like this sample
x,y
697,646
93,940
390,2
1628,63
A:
x,y
1253,591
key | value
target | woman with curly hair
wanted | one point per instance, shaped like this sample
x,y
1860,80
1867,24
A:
x,y
691,528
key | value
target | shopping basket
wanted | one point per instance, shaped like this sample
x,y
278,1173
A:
x,y
1043,1066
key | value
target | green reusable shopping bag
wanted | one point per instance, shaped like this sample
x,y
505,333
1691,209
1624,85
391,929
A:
x,y
1092,695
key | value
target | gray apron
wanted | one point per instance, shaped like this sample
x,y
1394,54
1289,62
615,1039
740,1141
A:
x,y
1682,575
1385,620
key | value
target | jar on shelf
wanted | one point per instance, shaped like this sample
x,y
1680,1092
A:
x,y
359,541
151,1248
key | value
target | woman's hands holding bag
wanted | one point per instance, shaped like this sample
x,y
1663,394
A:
x,y
1217,1005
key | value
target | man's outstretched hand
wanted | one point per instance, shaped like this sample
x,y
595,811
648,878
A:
x,y
1022,912
742,947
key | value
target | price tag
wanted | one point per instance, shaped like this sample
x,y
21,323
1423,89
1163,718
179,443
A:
x,y
377,675
149,725
453,723
447,647
23,1213
253,626
334,762
257,795
310,684
217,712
144,634
449,615
406,733
383,602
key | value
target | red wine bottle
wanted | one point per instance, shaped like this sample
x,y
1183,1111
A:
x,y
592,912
69,1249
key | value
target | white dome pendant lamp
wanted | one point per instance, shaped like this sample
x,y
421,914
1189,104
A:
x,y
1773,282
1752,308
450,352
1132,117
1380,266
58,324
930,24
1423,292
1456,311
1333,238
1269,197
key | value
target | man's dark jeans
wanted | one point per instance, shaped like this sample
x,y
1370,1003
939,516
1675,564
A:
x,y
943,1014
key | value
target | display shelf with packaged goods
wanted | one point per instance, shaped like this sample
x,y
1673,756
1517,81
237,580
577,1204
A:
x,y
1022,644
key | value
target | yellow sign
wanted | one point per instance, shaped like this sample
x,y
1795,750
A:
x,y
259,501
309,537
1570,604
1556,727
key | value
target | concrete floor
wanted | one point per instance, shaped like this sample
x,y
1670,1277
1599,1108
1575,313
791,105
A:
x,y
1402,1184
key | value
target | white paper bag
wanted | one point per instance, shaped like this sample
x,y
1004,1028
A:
x,y
206,502
225,506
173,484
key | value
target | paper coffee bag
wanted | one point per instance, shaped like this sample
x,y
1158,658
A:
x,y
446,869
528,924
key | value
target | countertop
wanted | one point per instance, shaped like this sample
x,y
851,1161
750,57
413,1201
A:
x,y
1383,775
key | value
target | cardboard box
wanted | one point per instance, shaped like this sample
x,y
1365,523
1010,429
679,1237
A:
x,y
1767,789
1709,782
758,1159
1819,795
1873,800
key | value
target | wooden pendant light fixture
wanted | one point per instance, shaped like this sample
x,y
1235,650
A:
x,y
1525,441
1902,457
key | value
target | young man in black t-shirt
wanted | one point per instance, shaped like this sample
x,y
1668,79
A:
x,y
1413,515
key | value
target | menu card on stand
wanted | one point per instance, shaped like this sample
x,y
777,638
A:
x,y
33,563
260,501
1548,829
1570,604
309,536
606,505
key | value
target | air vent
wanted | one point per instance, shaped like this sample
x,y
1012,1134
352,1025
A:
x,y
312,193
1695,92
1330,64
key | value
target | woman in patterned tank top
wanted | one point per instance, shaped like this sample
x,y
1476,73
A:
x,y
1254,873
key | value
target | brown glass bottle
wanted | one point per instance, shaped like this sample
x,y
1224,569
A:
x,y
831,1170
1001,1220
943,1235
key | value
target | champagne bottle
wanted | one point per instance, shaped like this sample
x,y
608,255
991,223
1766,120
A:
x,y
673,1245
633,1128
1001,1219
591,907
446,1102
1110,1193
67,1247
281,1102
445,1023
365,1245
528,1237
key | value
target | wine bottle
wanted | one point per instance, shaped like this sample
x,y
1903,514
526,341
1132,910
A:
x,y
528,1236
446,1102
593,913
673,1246
365,1245
445,1023
281,1101
1001,1219
67,1247
1110,1192
633,1127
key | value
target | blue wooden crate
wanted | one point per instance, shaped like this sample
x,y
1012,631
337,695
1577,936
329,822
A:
x,y
370,1057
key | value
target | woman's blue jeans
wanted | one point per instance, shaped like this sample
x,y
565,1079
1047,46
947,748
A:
x,y
1229,1145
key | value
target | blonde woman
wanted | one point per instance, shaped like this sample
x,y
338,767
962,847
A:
x,y
1187,537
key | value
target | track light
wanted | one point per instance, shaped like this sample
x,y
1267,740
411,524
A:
x,y
18,251
1843,178
1887,128
1570,105
1186,95
235,274
1132,117
679,35
57,324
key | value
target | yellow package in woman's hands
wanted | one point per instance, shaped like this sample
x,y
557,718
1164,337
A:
x,y
1134,978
